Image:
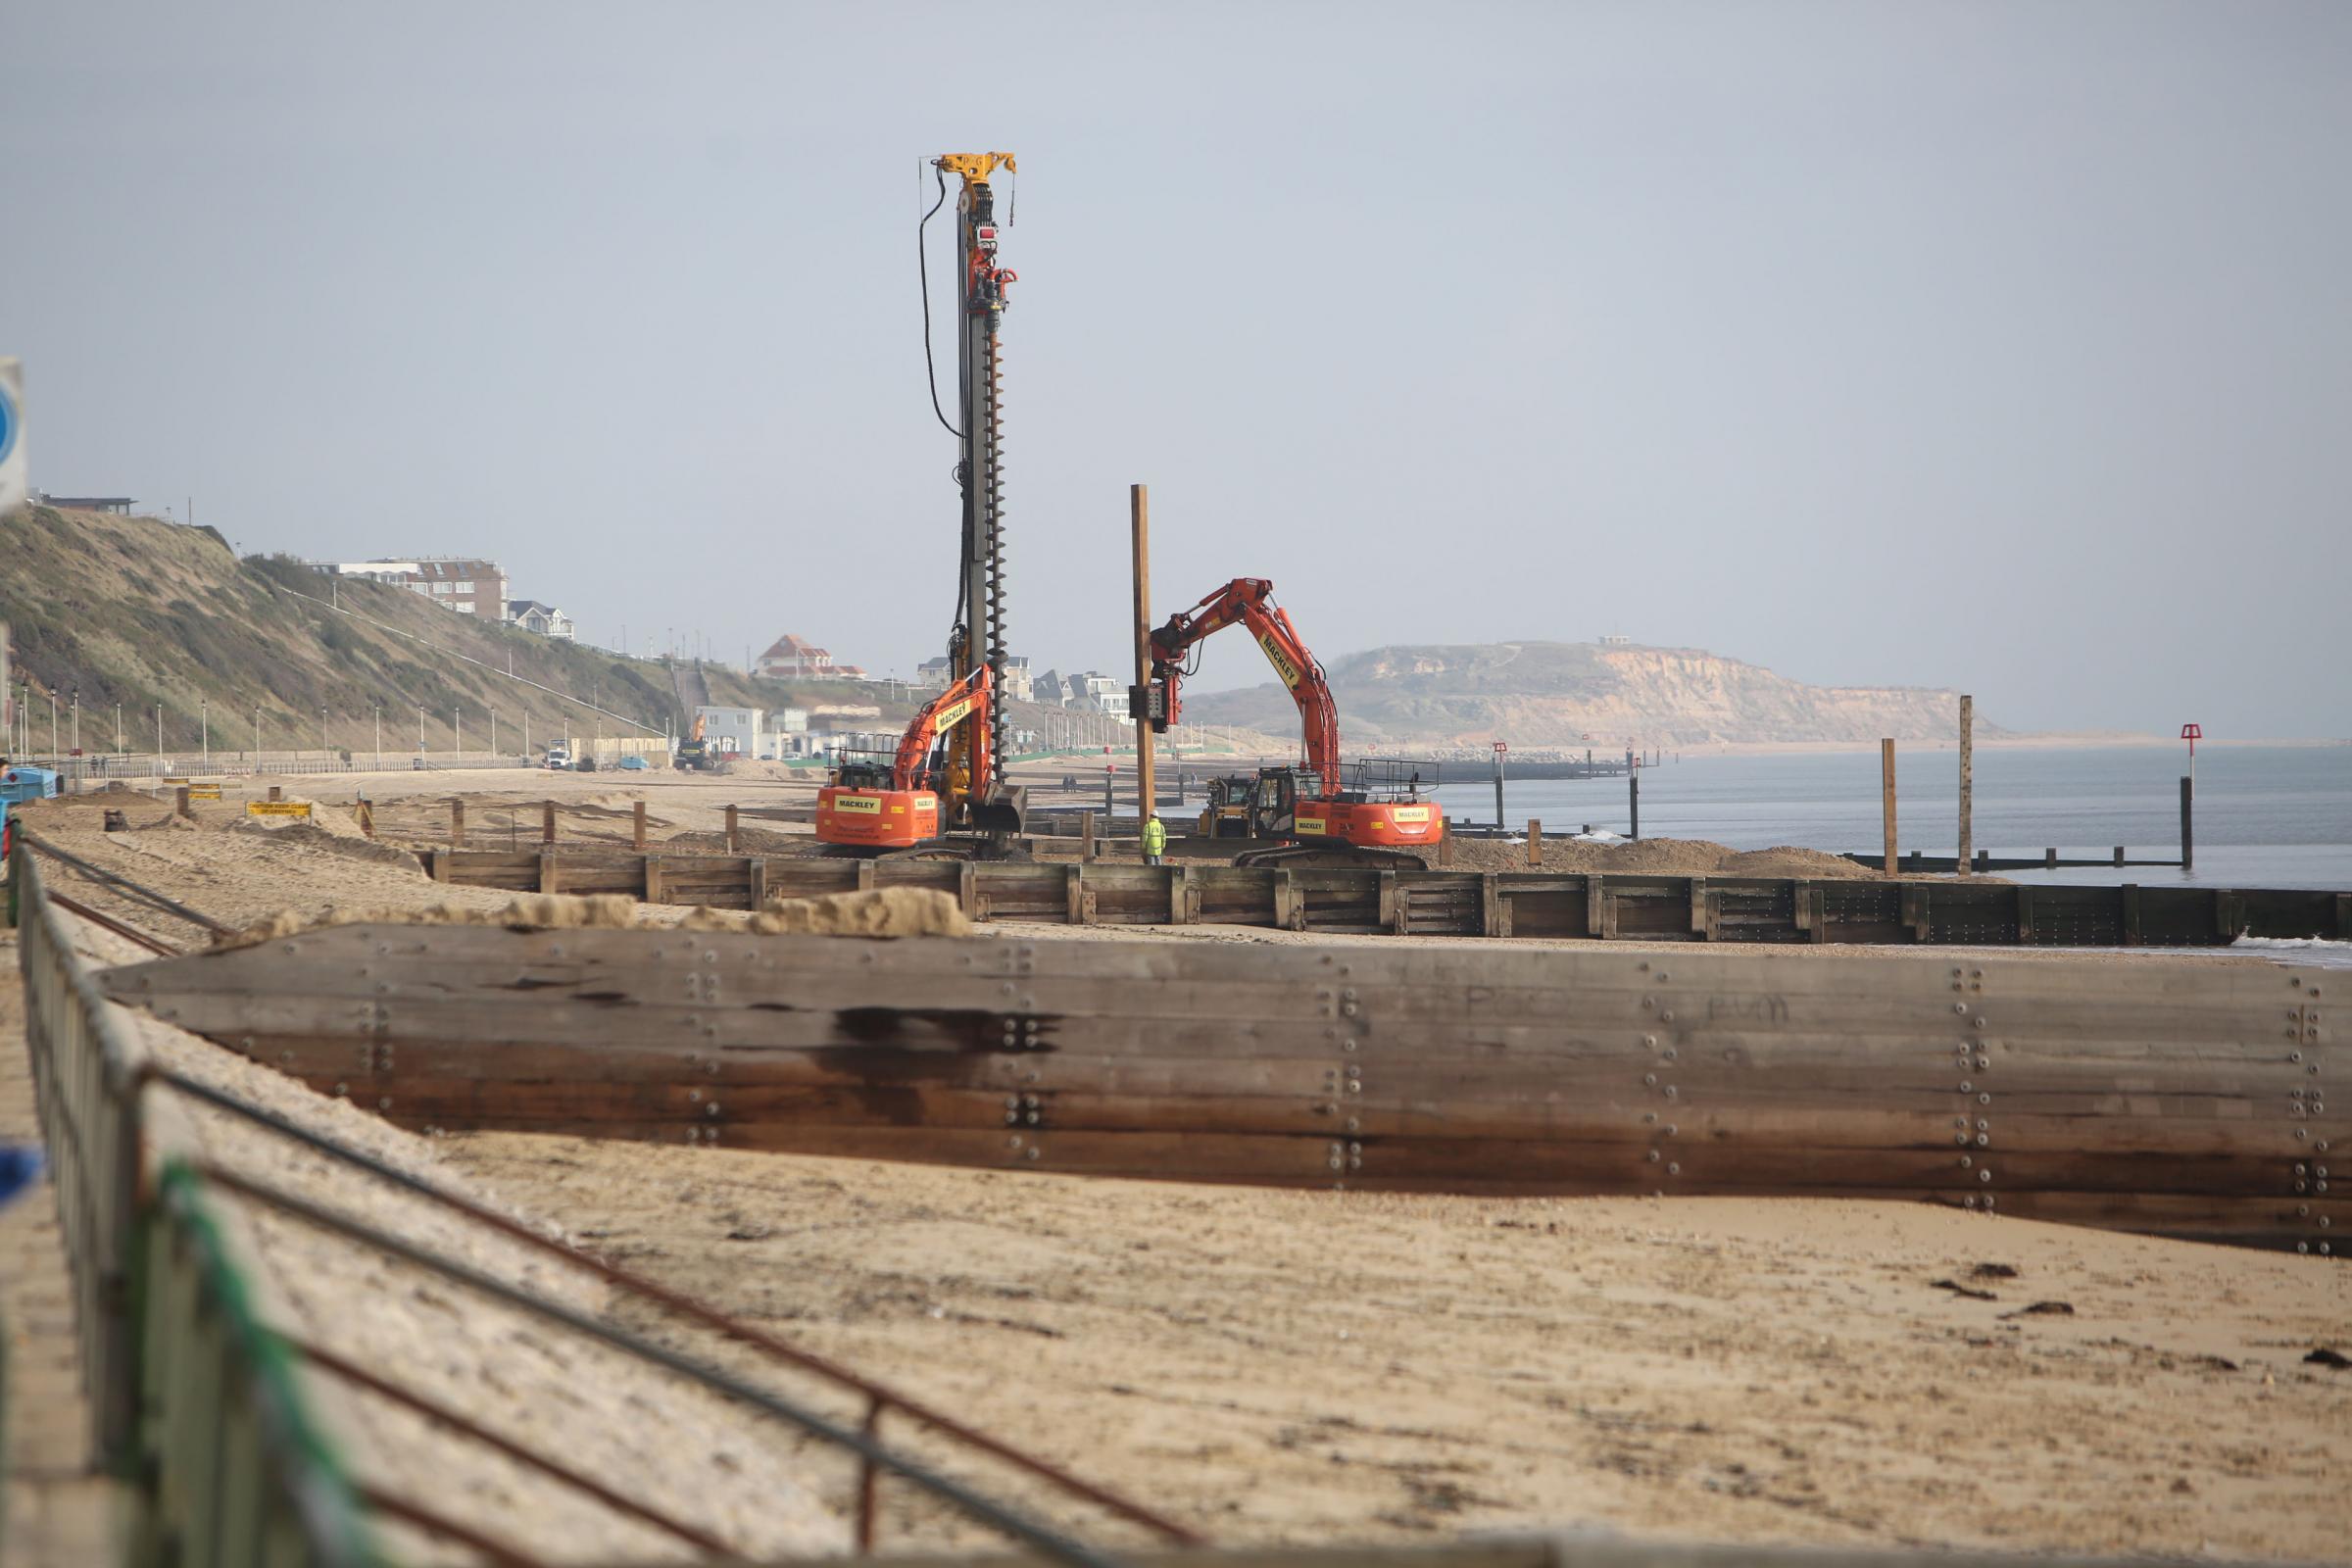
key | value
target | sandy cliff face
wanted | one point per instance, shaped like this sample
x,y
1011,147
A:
x,y
1577,694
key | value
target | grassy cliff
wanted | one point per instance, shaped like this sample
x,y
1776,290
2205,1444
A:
x,y
136,611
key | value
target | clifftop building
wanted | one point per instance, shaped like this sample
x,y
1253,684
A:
x,y
462,583
545,619
790,658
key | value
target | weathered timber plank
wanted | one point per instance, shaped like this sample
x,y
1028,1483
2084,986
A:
x,y
1722,1138
2161,1007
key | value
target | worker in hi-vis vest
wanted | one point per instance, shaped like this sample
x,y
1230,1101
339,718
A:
x,y
1156,839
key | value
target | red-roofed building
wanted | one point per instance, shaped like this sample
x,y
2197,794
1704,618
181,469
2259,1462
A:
x,y
790,658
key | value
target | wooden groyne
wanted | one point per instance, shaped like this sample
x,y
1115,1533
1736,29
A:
x,y
2177,1099
1534,904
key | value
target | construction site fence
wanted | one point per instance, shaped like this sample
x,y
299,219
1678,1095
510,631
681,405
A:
x,y
200,1407
195,1407
1457,903
81,773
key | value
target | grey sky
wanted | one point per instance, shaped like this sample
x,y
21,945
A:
x,y
2000,347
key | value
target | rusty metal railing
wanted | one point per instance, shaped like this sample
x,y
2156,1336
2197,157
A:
x,y
1020,1526
170,1346
194,1402
878,1399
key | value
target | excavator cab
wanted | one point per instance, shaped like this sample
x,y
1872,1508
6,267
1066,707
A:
x,y
862,770
1282,797
1260,805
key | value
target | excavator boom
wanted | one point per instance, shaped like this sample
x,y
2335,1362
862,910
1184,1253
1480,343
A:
x,y
1280,800
966,699
1251,602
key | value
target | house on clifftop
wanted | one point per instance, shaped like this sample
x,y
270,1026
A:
x,y
545,619
790,658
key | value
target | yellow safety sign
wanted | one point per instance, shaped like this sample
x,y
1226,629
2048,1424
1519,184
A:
x,y
203,791
301,808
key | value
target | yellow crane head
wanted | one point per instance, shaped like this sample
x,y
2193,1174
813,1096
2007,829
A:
x,y
975,168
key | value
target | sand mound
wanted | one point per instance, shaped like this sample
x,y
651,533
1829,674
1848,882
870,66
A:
x,y
537,912
881,912
1785,859
343,839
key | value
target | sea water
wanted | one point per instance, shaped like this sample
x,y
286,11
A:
x,y
2267,817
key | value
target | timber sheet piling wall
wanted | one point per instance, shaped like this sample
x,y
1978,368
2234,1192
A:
x,y
1532,904
2175,1098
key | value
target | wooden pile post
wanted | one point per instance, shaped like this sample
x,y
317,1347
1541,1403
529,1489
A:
x,y
1967,715
1886,792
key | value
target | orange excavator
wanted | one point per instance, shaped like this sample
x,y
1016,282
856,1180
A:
x,y
912,801
1370,814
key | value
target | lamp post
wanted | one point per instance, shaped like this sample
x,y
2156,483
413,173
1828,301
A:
x,y
159,731
323,745
379,735
457,724
204,724
120,747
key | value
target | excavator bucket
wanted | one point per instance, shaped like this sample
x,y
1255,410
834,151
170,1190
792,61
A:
x,y
1006,813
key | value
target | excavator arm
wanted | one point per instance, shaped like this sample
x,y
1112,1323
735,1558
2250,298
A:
x,y
1250,601
967,699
